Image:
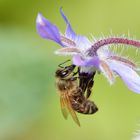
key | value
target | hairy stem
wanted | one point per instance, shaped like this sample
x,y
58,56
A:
x,y
112,40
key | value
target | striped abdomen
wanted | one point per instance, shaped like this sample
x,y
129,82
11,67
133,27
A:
x,y
84,106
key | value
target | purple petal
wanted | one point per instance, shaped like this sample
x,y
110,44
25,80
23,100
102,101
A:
x,y
47,30
80,41
69,32
92,62
78,61
127,74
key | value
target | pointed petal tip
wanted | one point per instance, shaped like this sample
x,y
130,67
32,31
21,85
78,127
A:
x,y
63,15
61,8
47,29
39,14
39,19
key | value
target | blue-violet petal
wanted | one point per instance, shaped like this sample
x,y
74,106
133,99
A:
x,y
47,30
127,74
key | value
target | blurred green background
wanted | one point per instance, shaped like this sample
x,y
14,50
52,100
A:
x,y
29,104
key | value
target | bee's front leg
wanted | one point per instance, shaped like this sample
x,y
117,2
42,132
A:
x,y
60,65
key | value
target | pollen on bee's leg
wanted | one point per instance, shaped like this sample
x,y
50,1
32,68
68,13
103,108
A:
x,y
107,71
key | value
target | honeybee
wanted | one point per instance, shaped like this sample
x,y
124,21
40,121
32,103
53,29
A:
x,y
71,95
65,85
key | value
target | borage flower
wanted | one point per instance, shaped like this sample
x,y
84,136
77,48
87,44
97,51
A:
x,y
92,56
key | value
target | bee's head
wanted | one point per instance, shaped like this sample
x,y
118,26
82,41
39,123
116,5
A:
x,y
64,72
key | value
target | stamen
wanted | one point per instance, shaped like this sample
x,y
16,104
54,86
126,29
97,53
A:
x,y
68,41
113,40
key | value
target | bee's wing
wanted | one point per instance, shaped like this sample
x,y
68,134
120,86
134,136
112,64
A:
x,y
63,107
70,109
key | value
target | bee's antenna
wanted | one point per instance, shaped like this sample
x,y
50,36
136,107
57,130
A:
x,y
60,65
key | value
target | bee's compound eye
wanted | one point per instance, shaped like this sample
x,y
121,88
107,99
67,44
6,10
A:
x,y
64,73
